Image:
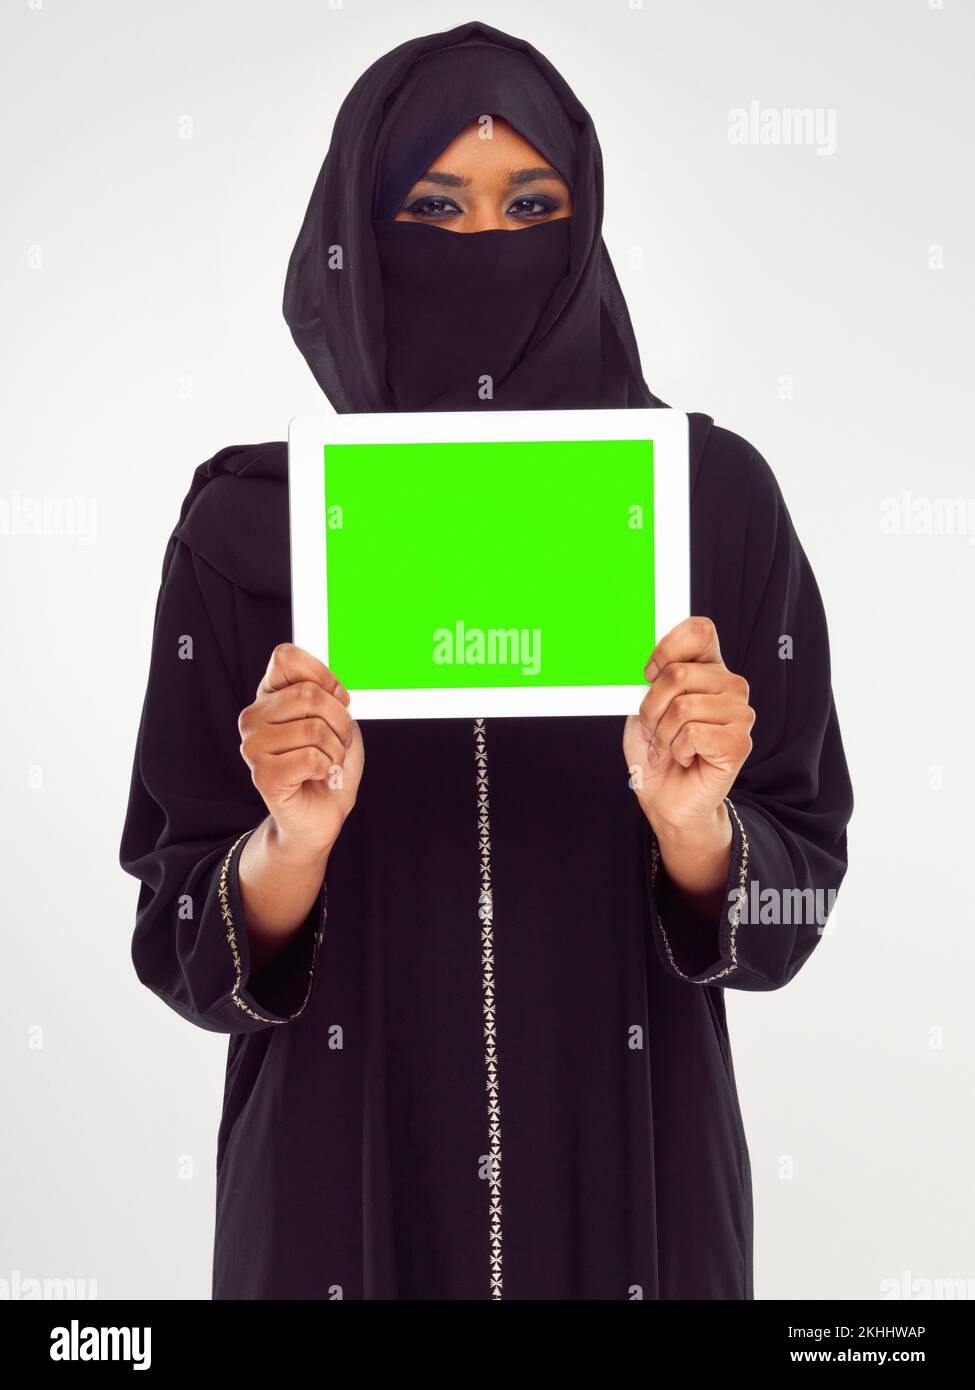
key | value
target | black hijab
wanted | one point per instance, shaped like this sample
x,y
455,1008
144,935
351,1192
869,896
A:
x,y
405,316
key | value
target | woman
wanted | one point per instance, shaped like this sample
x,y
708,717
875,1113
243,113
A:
x,y
501,1069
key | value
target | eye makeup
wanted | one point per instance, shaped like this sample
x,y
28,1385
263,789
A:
x,y
527,207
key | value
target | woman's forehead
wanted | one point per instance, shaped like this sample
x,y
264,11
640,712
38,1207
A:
x,y
489,140
445,92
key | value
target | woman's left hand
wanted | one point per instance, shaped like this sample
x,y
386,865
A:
x,y
691,737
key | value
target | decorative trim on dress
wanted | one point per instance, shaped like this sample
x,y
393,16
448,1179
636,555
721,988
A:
x,y
485,912
223,894
736,910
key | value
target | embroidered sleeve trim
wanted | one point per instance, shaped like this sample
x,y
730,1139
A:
x,y
226,913
735,915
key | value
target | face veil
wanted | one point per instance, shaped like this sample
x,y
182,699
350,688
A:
x,y
404,316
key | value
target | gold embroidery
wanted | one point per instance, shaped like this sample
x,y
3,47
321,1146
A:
x,y
223,894
736,911
485,912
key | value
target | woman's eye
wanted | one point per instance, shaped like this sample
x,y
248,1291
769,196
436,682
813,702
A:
x,y
533,207
433,207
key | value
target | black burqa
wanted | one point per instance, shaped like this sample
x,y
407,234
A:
x,y
542,314
494,1061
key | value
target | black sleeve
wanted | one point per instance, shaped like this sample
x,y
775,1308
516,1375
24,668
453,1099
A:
x,y
792,800
191,807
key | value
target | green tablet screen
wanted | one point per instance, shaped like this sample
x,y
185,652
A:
x,y
490,564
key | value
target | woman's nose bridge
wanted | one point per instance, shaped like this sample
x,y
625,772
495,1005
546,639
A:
x,y
485,213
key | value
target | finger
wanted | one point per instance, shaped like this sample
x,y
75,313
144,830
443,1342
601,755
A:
x,y
304,700
695,639
724,746
275,739
289,664
275,775
686,678
698,709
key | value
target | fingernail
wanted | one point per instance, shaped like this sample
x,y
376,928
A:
x,y
341,692
651,670
652,753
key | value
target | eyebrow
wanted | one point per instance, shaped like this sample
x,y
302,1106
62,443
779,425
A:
x,y
540,171
515,179
444,180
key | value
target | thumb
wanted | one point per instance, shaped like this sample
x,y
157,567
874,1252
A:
x,y
636,748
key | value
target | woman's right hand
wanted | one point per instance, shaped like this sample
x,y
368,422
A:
x,y
304,750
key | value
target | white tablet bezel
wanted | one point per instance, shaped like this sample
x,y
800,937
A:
x,y
307,438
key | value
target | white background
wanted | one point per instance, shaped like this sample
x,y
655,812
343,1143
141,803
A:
x,y
150,335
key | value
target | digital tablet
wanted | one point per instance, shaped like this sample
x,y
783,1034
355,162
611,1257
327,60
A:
x,y
497,563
